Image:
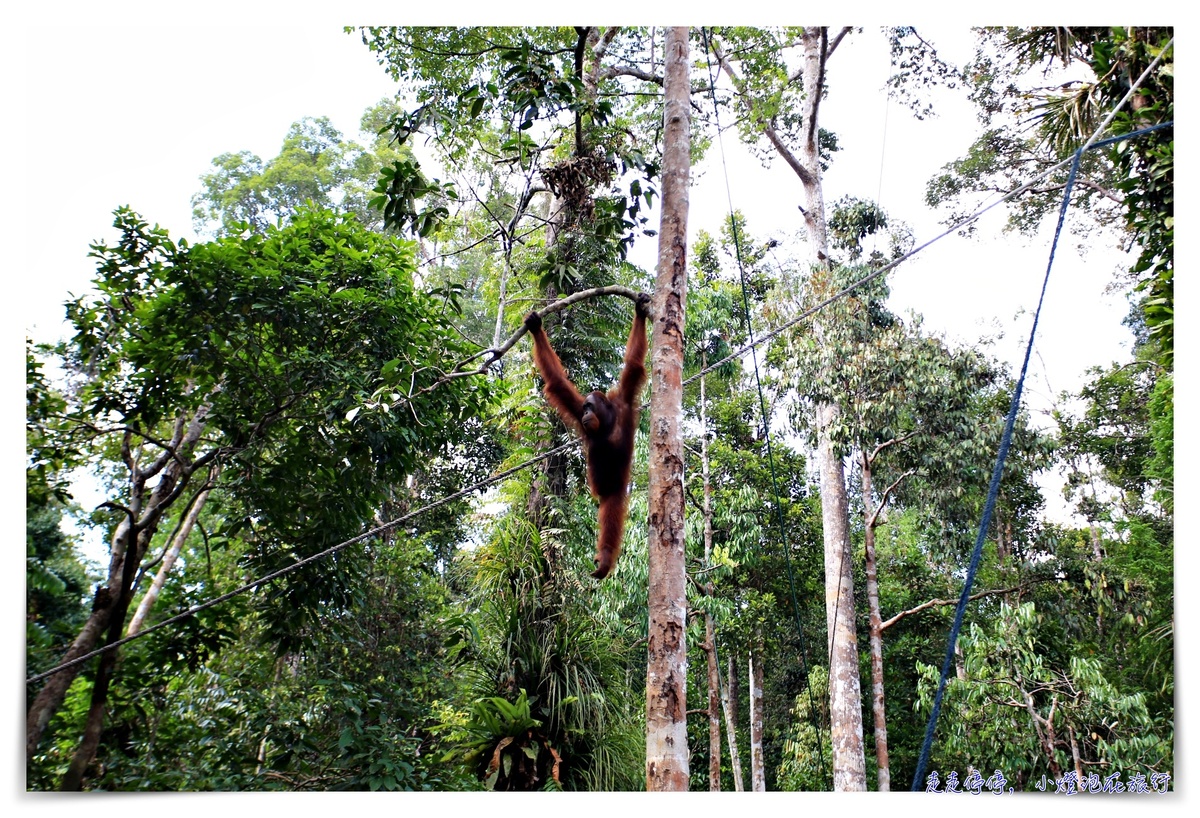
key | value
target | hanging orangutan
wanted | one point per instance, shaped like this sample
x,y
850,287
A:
x,y
606,422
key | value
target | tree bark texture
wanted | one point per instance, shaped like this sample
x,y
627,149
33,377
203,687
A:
x,y
731,711
876,629
758,777
845,693
666,666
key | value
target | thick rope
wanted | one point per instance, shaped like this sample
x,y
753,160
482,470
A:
x,y
994,488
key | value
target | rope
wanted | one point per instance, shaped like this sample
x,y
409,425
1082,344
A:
x,y
298,565
489,481
1006,440
766,418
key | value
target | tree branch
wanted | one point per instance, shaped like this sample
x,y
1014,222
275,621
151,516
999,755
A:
x,y
768,129
883,498
837,40
600,49
631,71
496,353
891,442
813,133
936,602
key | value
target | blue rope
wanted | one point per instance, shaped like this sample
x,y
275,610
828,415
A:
x,y
1005,441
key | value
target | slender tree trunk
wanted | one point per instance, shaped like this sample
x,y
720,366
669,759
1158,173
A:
x,y
714,706
710,632
758,779
501,300
730,701
876,629
169,559
666,667
845,693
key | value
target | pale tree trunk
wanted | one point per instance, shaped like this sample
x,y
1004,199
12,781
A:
x,y
714,707
169,559
710,631
845,693
666,665
876,628
130,539
731,711
758,778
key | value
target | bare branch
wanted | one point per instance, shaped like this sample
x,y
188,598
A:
x,y
767,128
841,35
933,603
631,71
887,493
601,47
168,449
891,442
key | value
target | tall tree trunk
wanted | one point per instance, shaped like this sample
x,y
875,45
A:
x,y
714,706
731,710
876,628
845,693
710,631
666,666
758,778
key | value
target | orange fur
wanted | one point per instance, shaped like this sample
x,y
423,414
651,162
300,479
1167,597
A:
x,y
607,433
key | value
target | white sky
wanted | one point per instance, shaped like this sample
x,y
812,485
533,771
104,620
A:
x,y
133,115
109,108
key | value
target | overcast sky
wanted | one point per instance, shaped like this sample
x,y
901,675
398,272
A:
x,y
134,114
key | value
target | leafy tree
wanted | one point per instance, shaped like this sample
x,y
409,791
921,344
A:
x,y
546,703
1019,711
762,513
315,164
801,769
254,351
